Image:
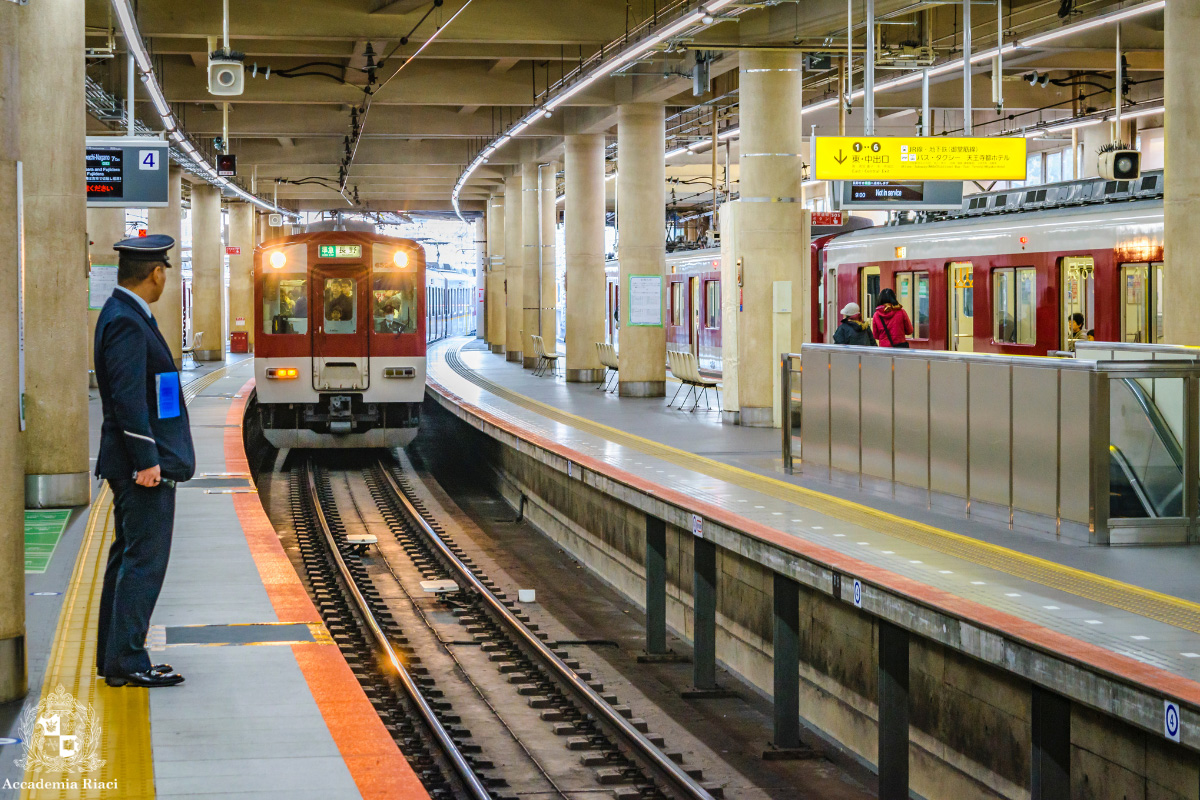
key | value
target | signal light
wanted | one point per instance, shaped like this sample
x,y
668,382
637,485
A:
x,y
400,259
278,259
283,373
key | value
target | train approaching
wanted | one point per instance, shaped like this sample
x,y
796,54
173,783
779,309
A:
x,y
342,321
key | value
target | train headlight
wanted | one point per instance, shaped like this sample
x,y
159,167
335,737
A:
x,y
283,373
278,259
400,259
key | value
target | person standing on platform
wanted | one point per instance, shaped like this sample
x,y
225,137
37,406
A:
x,y
852,329
890,325
145,448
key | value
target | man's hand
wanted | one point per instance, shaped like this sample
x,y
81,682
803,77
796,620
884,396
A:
x,y
149,477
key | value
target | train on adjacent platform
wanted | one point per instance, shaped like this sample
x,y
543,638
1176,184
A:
x,y
1003,275
343,318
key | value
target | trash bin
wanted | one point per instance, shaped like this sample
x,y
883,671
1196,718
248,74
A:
x,y
239,342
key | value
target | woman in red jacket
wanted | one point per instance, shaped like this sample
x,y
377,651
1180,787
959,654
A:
x,y
890,325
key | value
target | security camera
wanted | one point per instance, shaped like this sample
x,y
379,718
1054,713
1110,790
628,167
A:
x,y
1120,164
226,73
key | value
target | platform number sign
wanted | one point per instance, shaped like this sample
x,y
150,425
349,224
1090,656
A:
x,y
1171,720
857,593
697,526
149,159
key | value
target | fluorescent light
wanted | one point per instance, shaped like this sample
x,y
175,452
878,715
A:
x,y
1095,22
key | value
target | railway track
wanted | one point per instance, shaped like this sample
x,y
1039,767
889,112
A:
x,y
500,712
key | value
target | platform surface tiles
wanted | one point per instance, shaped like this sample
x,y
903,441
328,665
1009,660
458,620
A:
x,y
1131,613
269,707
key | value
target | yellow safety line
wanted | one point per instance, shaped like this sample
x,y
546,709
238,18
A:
x,y
123,713
1127,597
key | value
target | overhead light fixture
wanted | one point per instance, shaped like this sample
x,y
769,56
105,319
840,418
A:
x,y
708,19
547,113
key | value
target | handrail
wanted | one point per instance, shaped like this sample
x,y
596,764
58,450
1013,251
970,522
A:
x,y
1157,421
1122,462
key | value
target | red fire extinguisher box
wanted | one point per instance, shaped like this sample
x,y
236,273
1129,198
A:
x,y
239,342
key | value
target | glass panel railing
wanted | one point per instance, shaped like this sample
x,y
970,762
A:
x,y
1147,470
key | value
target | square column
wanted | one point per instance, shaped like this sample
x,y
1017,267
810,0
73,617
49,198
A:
x,y
169,308
208,285
641,247
531,239
494,313
514,261
584,244
241,271
1181,281
547,261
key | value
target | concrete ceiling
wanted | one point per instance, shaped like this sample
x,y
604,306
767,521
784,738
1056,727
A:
x,y
487,67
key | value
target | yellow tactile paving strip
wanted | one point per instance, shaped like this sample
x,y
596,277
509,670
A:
x,y
1127,597
123,713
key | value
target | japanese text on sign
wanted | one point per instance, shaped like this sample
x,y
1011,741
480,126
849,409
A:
x,y
645,300
853,158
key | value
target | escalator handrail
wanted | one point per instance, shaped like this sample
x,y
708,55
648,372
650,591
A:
x,y
1165,434
1123,462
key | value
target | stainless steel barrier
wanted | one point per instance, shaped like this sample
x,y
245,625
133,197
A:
x,y
1073,447
788,371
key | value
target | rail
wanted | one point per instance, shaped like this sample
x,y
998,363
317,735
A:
x,y
457,759
649,753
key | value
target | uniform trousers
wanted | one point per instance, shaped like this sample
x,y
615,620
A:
x,y
137,564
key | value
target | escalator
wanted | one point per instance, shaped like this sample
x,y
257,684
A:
x,y
1146,457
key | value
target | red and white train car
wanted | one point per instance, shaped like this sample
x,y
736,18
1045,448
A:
x,y
340,349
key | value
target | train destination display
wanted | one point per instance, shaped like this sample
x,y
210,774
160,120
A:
x,y
125,171
901,195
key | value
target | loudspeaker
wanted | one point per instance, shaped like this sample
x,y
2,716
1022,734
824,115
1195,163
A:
x,y
226,74
275,220
1120,165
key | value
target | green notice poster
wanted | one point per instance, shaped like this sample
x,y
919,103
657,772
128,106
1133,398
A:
x,y
43,529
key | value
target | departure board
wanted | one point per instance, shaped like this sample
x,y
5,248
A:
x,y
105,173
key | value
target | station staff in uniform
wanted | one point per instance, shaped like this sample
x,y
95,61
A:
x,y
145,447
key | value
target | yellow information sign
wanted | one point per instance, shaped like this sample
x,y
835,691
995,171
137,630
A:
x,y
925,158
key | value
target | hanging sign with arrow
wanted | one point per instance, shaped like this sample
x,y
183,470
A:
x,y
929,158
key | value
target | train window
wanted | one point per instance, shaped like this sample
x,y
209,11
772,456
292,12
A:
x,y
1078,295
341,306
677,305
962,306
912,290
868,290
1014,305
285,304
712,304
1141,303
394,302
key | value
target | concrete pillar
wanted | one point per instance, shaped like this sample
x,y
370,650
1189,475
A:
x,y
208,286
584,243
771,244
641,203
1093,137
548,264
704,615
514,250
786,662
531,234
892,674
241,270
1181,281
480,275
52,122
105,227
13,675
656,585
1050,745
169,308
497,316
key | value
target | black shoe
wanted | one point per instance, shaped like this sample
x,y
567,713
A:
x,y
161,669
148,679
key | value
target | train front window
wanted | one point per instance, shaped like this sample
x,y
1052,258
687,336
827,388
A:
x,y
394,302
285,304
341,306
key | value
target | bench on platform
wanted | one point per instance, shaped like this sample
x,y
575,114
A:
x,y
544,359
190,352
686,368
608,358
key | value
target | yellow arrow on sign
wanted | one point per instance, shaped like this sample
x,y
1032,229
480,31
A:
x,y
927,158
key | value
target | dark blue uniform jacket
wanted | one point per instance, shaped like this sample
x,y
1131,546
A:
x,y
135,372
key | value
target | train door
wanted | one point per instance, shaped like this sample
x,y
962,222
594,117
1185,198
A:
x,y
338,297
832,310
962,306
1077,287
868,290
1141,303
694,333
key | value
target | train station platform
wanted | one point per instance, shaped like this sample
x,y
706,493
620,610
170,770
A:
x,y
1115,628
269,707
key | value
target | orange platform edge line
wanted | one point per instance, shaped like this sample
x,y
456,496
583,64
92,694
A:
x,y
378,767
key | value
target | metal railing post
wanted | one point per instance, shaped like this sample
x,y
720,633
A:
x,y
785,382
